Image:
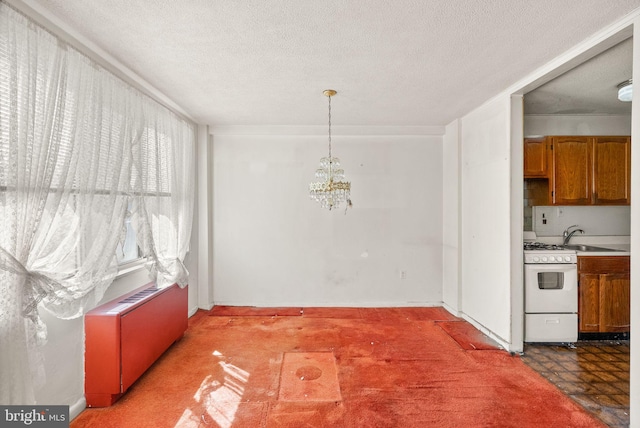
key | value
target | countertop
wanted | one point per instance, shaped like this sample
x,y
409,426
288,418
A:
x,y
620,243
622,250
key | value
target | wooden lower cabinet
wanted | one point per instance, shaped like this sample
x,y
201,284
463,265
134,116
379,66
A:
x,y
604,297
588,303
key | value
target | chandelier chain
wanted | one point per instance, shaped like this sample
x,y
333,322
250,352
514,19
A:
x,y
329,128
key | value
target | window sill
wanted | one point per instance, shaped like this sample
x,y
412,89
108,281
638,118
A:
x,y
130,267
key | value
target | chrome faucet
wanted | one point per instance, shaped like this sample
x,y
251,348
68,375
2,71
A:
x,y
567,234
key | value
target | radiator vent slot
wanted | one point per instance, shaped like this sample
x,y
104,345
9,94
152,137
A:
x,y
139,295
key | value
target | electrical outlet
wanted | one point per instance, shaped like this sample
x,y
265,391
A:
x,y
545,218
403,274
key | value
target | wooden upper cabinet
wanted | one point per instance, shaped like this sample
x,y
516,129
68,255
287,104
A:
x,y
612,172
571,175
588,170
535,158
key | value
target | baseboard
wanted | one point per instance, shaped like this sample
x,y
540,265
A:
x,y
451,310
193,311
207,307
77,408
503,343
412,304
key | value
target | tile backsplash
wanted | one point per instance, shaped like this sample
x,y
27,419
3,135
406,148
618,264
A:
x,y
594,220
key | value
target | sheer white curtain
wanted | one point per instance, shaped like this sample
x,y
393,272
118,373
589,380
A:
x,y
68,134
65,137
164,188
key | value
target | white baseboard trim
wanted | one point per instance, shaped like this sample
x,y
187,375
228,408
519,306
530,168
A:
x,y
193,311
451,310
365,305
503,343
207,307
77,408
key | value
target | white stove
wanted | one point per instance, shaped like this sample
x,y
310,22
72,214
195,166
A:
x,y
538,252
551,293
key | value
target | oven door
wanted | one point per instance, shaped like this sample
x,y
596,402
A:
x,y
551,288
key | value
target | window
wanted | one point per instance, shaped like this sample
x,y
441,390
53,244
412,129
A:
x,y
128,250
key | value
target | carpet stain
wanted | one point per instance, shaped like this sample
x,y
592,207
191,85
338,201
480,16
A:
x,y
309,376
308,373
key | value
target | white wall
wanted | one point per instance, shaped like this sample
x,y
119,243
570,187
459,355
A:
x,y
563,124
594,220
451,219
634,398
201,236
485,211
273,246
516,342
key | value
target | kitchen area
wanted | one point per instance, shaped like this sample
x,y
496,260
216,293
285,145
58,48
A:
x,y
576,257
577,187
577,269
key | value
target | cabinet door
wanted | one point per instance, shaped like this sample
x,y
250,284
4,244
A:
x,y
615,315
535,157
612,166
589,303
571,170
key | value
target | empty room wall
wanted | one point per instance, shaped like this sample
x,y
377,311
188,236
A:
x,y
273,246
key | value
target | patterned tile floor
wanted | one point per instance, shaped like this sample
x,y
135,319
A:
x,y
593,373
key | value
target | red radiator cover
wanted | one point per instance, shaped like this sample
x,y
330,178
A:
x,y
124,337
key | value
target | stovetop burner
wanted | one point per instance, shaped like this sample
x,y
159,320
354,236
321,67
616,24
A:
x,y
542,246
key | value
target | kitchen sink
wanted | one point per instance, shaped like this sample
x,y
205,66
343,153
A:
x,y
586,248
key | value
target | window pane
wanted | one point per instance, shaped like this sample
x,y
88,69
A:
x,y
128,251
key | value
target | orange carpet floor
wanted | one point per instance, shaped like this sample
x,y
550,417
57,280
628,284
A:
x,y
337,367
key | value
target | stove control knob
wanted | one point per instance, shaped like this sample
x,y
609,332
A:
x,y
567,258
536,259
544,259
552,259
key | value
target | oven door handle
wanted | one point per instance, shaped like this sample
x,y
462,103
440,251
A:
x,y
568,267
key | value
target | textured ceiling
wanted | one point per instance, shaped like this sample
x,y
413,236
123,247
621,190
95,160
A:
x,y
591,88
393,62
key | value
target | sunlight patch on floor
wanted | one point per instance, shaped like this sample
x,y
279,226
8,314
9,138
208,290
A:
x,y
219,396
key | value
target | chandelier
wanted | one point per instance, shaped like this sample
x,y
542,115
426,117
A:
x,y
330,191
